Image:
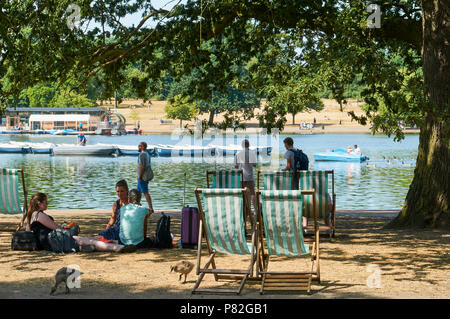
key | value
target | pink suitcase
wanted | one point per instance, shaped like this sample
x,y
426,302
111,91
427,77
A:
x,y
189,227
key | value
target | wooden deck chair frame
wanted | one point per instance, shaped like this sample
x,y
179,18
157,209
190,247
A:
x,y
213,172
332,216
287,281
243,275
8,202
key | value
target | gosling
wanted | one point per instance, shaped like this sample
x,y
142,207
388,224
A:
x,y
183,267
61,276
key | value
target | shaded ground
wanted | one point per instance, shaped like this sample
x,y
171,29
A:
x,y
413,264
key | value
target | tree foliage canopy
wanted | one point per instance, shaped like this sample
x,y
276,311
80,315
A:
x,y
404,63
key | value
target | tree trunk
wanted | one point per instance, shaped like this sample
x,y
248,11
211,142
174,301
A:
x,y
211,117
293,119
428,199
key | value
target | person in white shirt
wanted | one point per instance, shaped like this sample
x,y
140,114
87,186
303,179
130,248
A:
x,y
357,149
246,160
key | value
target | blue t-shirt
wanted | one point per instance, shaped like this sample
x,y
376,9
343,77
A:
x,y
132,224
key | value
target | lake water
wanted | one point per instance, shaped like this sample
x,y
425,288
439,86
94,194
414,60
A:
x,y
88,182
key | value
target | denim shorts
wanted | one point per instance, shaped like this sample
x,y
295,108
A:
x,y
142,186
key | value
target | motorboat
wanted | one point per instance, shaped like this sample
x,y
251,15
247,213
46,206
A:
x,y
232,149
14,148
340,155
36,148
42,148
91,150
132,150
184,150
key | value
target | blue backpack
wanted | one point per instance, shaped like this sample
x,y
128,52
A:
x,y
301,160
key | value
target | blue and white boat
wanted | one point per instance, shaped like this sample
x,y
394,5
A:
x,y
66,131
35,148
232,149
42,148
184,150
340,155
14,148
89,150
132,150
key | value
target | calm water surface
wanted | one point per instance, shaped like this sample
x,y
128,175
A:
x,y
88,182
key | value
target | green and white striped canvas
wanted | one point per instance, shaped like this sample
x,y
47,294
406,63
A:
x,y
227,179
9,188
319,181
282,215
279,180
224,220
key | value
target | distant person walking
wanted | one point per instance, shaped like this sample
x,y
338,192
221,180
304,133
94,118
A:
x,y
143,162
246,160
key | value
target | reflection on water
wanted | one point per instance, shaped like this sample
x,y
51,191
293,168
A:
x,y
88,182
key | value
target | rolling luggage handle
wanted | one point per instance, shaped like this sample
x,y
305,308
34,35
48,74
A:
x,y
184,193
190,209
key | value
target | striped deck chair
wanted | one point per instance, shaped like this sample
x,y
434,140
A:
x,y
225,178
222,226
280,222
278,180
319,181
9,194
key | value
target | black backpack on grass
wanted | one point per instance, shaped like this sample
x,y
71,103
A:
x,y
163,238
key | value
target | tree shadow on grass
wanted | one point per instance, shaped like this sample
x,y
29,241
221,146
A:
x,y
102,289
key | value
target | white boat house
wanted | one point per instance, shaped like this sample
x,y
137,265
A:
x,y
60,121
56,118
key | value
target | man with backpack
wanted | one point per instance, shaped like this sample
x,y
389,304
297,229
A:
x,y
296,159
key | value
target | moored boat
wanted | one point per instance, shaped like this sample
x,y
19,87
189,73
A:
x,y
232,149
183,150
132,150
340,155
36,148
91,150
14,148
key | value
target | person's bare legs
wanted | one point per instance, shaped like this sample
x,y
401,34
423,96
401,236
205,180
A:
x,y
98,244
150,206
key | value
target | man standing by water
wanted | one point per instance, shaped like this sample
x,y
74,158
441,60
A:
x,y
246,160
143,162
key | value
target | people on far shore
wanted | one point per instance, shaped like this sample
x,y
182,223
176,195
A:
x,y
246,160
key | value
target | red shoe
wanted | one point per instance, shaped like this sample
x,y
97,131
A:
x,y
103,239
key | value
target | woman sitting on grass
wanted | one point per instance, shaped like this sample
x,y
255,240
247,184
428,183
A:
x,y
42,224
